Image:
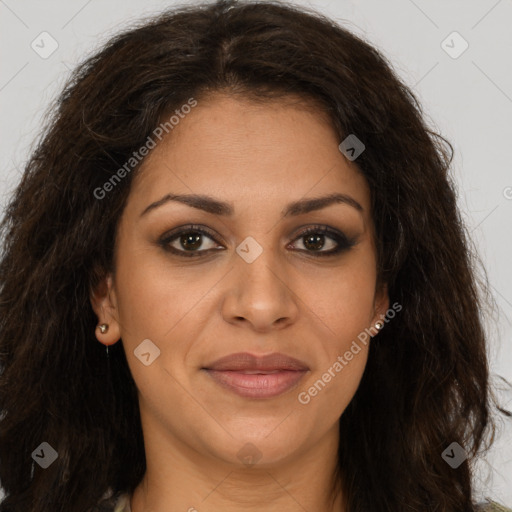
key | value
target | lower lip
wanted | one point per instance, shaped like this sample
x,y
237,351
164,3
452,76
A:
x,y
258,385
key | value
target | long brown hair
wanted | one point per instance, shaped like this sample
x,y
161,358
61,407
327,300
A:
x,y
426,384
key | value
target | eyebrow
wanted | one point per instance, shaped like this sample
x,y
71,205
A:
x,y
216,207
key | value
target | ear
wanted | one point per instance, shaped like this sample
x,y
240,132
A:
x,y
104,304
380,304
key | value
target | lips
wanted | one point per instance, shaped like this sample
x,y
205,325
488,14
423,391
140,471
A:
x,y
253,376
245,361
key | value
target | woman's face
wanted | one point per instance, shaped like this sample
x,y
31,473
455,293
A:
x,y
252,284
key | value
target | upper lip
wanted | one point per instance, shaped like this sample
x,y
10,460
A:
x,y
251,362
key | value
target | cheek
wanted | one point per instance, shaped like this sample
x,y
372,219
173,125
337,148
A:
x,y
153,297
343,299
339,370
345,304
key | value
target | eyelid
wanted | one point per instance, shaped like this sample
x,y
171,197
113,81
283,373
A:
x,y
174,233
343,241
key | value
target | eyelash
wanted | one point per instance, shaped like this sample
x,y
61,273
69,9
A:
x,y
344,243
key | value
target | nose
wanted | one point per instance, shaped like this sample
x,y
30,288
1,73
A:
x,y
259,295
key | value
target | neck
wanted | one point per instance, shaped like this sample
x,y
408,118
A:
x,y
195,482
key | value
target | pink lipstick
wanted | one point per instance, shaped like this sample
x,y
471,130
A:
x,y
253,376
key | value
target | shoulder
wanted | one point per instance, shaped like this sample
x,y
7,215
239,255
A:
x,y
492,506
123,503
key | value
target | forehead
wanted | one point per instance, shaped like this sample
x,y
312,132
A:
x,y
247,153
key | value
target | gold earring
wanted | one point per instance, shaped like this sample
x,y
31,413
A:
x,y
103,328
379,326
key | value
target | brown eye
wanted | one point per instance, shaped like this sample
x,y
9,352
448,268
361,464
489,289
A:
x,y
196,241
189,242
314,241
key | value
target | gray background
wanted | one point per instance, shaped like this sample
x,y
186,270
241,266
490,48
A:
x,y
467,98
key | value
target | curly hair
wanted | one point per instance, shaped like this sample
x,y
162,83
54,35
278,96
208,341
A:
x,y
426,383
